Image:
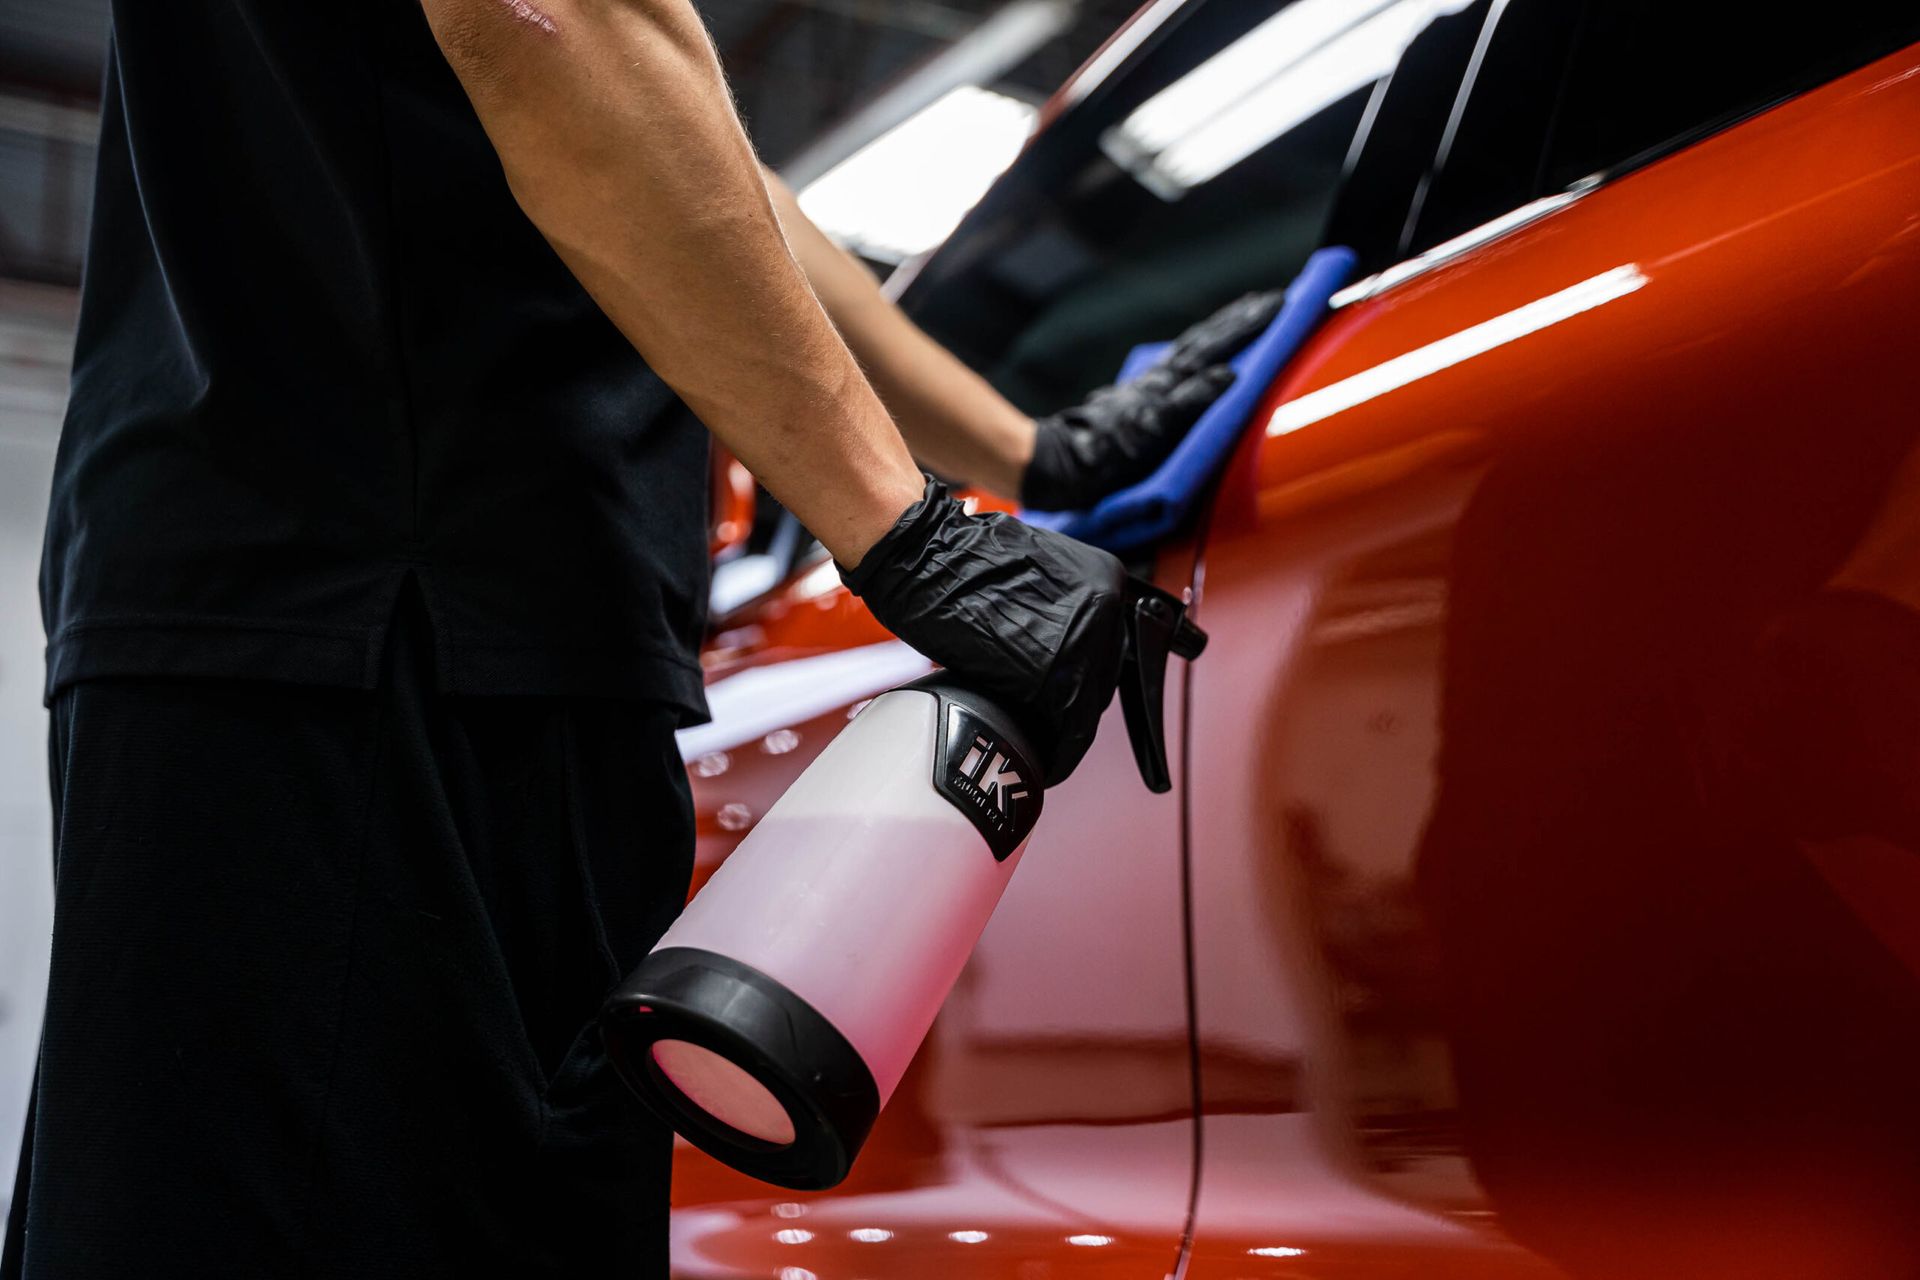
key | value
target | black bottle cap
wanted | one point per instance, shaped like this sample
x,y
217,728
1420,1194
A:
x,y
706,999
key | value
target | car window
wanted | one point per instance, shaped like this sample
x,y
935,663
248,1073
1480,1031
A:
x,y
1488,161
1393,157
1649,74
1205,166
1563,91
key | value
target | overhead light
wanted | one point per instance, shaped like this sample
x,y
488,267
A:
x,y
1287,70
904,192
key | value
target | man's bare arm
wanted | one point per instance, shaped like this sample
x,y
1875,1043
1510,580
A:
x,y
959,426
621,144
955,423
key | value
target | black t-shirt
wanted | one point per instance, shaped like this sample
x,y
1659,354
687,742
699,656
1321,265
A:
x,y
321,350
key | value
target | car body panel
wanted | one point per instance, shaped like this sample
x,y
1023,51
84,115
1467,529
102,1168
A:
x,y
1492,974
1591,507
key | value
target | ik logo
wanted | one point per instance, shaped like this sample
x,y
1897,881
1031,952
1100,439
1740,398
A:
x,y
987,779
987,767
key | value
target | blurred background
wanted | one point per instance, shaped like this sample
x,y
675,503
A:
x,y
889,116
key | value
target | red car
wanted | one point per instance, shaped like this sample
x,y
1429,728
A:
x,y
1539,894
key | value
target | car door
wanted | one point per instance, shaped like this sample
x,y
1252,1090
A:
x,y
1048,1125
1551,775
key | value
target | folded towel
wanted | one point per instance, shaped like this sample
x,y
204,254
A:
x,y
1146,512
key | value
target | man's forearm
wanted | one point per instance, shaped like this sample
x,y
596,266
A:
x,y
619,140
955,423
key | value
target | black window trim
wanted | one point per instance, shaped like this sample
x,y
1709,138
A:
x,y
1469,77
1447,250
1494,228
1547,204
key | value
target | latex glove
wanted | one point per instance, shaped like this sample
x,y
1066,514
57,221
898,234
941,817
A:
x,y
1123,432
1031,618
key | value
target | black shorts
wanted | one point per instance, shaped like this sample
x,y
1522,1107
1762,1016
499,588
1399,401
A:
x,y
325,965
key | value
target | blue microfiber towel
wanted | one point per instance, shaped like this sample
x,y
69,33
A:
x,y
1148,511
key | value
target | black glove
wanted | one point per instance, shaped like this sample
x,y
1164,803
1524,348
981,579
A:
x,y
1122,433
1031,618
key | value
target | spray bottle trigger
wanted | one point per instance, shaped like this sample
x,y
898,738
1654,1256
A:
x,y
1157,625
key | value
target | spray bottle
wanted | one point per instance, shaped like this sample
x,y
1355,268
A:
x,y
774,1019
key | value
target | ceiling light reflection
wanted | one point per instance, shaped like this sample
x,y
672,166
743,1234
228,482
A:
x,y
1090,1241
967,1237
870,1235
1454,348
821,580
1242,67
1288,69
903,192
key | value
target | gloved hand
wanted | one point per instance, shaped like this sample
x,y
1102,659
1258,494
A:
x,y
1123,432
1032,618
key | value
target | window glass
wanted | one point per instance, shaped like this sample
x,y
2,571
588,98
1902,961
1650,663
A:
x,y
1489,159
1561,90
1388,173
1204,167
1648,73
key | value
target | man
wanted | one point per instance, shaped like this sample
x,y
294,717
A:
x,y
373,582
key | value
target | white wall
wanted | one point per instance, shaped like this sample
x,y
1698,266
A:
x,y
35,341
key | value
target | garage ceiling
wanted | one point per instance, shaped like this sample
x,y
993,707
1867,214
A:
x,y
797,67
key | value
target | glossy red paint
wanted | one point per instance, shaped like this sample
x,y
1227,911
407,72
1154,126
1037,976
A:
x,y
809,614
731,500
1482,943
1527,935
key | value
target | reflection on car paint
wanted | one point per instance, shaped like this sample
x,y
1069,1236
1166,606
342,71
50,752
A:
x,y
1572,862
1551,892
